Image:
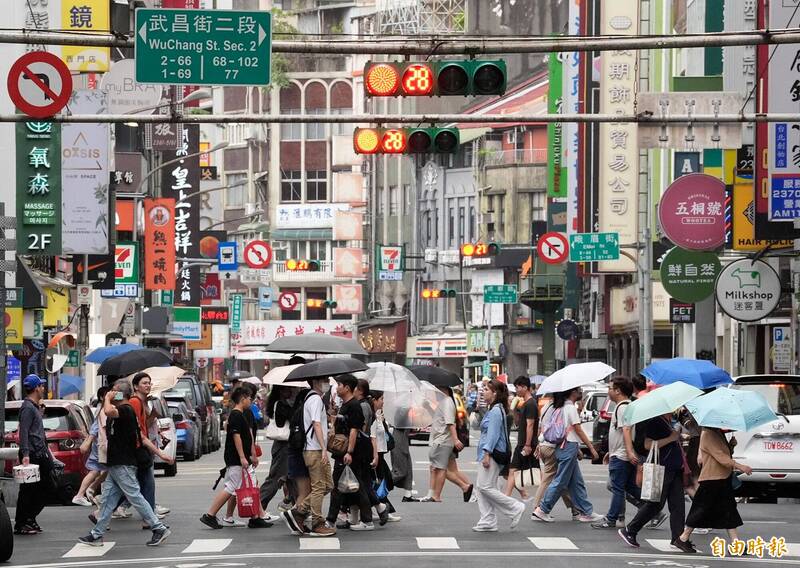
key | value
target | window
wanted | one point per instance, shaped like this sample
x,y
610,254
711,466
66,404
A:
x,y
291,130
538,206
291,186
501,205
381,204
473,236
341,129
316,185
468,155
315,130
281,250
428,234
318,250
236,190
236,133
316,294
451,227
462,235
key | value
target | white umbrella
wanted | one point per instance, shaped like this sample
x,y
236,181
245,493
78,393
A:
x,y
277,376
575,375
162,378
252,380
412,409
389,377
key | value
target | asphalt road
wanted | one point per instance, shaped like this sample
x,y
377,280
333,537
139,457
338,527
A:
x,y
429,534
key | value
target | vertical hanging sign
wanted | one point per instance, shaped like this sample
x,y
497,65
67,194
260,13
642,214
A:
x,y
572,104
618,142
159,244
556,182
181,182
38,188
85,16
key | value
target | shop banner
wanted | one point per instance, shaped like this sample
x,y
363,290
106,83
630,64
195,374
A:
x,y
159,249
349,298
85,16
556,177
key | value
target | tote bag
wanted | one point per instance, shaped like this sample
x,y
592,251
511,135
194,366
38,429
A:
x,y
275,432
652,476
248,499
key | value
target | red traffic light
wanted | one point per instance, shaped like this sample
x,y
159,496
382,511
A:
x,y
418,79
382,80
394,141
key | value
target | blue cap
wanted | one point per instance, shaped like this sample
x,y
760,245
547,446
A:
x,y
32,381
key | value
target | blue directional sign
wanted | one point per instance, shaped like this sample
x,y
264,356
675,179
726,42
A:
x,y
14,370
264,298
227,258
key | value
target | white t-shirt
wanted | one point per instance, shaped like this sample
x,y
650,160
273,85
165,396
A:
x,y
378,432
616,440
440,429
570,419
314,411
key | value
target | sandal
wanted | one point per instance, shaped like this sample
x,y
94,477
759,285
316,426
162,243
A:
x,y
427,499
25,530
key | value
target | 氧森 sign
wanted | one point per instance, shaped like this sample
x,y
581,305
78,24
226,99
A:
x,y
692,212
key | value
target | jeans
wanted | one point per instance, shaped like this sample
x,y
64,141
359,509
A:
x,y
490,499
33,496
672,494
146,476
622,477
321,484
278,472
568,477
122,482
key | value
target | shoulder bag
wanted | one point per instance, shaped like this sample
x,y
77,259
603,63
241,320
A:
x,y
503,458
275,432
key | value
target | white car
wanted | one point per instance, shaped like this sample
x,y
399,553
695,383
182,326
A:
x,y
167,435
772,450
593,400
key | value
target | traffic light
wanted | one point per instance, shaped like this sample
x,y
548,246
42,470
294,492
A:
x,y
432,294
480,249
296,265
435,78
315,303
406,140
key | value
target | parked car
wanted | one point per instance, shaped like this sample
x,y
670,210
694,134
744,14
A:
x,y
167,435
593,401
188,429
65,429
772,450
200,401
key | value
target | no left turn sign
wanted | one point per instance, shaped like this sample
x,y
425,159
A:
x,y
553,248
39,84
288,301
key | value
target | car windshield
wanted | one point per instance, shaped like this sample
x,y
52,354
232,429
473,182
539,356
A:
x,y
55,419
783,398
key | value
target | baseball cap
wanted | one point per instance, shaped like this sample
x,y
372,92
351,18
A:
x,y
32,381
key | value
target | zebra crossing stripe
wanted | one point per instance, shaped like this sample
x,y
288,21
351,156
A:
x,y
207,545
552,543
328,543
85,551
437,543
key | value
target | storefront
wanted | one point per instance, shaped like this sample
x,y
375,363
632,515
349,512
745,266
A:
x,y
384,339
447,350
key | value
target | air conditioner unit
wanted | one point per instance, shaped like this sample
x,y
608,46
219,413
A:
x,y
250,208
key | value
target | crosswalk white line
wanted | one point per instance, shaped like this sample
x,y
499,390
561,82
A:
x,y
437,543
207,545
552,543
328,543
85,551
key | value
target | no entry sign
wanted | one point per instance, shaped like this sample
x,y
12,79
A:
x,y
553,248
39,84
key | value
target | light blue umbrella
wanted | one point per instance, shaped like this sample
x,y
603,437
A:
x,y
102,353
699,373
662,400
731,409
70,384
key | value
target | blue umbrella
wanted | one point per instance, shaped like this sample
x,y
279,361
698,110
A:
x,y
102,353
70,384
699,373
731,409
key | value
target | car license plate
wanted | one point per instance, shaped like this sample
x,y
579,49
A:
x,y
778,446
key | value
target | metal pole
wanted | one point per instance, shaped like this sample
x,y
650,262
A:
x,y
83,328
3,359
448,45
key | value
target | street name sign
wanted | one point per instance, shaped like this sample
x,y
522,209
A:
x,y
203,47
593,247
500,294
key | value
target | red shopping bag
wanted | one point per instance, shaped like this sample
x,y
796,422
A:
x,y
248,499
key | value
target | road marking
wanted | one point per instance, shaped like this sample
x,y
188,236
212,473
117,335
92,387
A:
x,y
329,543
792,549
207,545
437,543
664,545
85,551
552,543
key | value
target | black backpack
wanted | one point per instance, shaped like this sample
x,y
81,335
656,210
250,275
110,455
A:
x,y
297,433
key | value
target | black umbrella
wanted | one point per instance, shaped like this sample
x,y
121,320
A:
x,y
325,368
320,343
134,361
436,376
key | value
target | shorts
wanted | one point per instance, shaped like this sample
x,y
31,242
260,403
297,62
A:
x,y
94,465
440,456
297,465
233,479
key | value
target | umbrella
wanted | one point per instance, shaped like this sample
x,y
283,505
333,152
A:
x,y
436,376
163,378
696,372
389,377
102,353
133,361
277,377
237,375
325,368
70,384
662,400
316,343
731,409
412,409
575,375
252,380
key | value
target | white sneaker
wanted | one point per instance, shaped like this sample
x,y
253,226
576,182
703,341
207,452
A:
x,y
701,531
473,499
481,528
161,510
593,518
231,522
121,513
394,518
539,515
362,527
270,518
82,501
517,517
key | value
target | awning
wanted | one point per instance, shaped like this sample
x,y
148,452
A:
x,y
301,234
470,134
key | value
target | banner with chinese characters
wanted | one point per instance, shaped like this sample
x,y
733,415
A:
x,y
556,183
618,144
38,188
85,177
159,248
85,16
349,298
181,181
263,332
308,215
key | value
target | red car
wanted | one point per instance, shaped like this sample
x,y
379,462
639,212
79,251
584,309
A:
x,y
65,428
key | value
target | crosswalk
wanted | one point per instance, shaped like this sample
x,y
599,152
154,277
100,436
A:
x,y
210,546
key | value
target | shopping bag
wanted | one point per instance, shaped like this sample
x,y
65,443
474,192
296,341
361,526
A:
x,y
381,491
348,482
652,476
527,478
248,499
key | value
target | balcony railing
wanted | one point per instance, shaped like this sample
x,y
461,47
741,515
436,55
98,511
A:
x,y
324,274
515,157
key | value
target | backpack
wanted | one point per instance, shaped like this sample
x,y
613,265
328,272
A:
x,y
554,430
297,433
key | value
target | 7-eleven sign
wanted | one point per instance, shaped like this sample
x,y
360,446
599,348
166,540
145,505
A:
x,y
391,258
126,263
